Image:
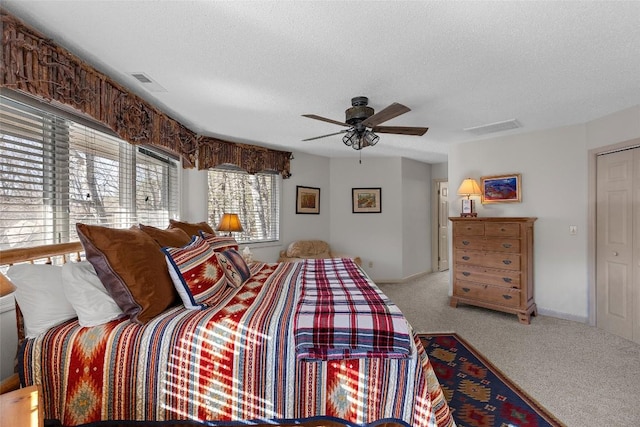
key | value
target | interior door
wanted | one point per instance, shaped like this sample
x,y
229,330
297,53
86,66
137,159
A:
x,y
443,226
617,255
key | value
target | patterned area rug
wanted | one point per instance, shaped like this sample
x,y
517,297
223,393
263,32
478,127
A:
x,y
478,394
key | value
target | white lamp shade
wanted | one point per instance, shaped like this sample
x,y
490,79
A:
x,y
469,187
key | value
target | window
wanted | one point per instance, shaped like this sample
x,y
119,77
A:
x,y
55,172
255,198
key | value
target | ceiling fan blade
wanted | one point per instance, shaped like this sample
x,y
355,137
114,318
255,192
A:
x,y
401,130
393,110
324,136
324,119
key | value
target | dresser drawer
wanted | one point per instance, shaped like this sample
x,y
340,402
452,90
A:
x,y
502,245
504,229
483,244
500,260
469,229
498,295
505,278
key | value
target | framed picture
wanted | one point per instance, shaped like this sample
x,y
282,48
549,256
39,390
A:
x,y
501,188
307,200
366,200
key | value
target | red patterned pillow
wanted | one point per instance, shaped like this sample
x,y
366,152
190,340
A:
x,y
220,243
195,272
235,268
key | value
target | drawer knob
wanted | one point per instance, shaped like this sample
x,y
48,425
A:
x,y
466,258
506,245
506,261
466,273
507,279
502,229
466,289
465,242
507,296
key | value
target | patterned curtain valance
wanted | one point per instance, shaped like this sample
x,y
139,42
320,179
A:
x,y
214,152
33,64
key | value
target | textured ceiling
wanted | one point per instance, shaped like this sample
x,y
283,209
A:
x,y
247,71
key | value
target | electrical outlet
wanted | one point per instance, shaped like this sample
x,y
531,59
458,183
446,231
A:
x,y
370,264
573,230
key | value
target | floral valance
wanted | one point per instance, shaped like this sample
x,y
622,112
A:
x,y
33,64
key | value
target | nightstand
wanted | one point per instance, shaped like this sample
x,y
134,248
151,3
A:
x,y
22,408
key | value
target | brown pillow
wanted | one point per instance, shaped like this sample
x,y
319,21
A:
x,y
131,267
172,237
192,229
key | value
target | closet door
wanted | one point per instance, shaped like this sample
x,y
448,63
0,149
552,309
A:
x,y
618,248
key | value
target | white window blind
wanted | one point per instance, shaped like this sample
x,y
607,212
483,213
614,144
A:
x,y
255,198
56,172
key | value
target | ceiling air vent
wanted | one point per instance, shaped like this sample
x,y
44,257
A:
x,y
494,127
147,82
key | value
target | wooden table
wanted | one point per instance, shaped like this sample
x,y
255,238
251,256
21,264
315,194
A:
x,y
21,408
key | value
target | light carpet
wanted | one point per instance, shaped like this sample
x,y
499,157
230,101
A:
x,y
583,375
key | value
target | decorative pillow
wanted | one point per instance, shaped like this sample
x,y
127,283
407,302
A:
x,y
132,269
174,237
87,294
192,229
195,272
40,296
235,268
220,243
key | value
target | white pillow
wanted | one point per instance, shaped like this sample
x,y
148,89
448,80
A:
x,y
87,294
40,296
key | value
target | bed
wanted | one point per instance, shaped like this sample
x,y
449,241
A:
x,y
240,354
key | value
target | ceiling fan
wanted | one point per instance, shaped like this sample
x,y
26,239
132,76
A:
x,y
363,122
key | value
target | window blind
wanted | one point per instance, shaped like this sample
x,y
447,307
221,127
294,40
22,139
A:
x,y
56,172
255,198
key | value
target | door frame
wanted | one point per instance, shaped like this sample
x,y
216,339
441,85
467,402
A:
x,y
435,204
591,219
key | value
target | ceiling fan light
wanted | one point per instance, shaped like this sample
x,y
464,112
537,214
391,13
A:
x,y
371,138
350,138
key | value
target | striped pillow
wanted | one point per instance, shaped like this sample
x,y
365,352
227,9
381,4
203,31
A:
x,y
234,267
220,243
196,273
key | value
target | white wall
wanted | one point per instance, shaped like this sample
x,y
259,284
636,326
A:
x,y
554,168
306,170
416,218
374,237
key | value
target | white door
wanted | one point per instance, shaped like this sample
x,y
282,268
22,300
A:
x,y
443,226
618,247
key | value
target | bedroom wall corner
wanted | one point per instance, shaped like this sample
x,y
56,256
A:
x,y
416,221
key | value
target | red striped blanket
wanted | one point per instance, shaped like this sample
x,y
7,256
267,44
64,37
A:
x,y
231,361
343,315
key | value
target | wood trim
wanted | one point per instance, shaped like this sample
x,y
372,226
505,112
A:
x,y
34,65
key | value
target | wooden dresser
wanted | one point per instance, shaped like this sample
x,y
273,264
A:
x,y
493,264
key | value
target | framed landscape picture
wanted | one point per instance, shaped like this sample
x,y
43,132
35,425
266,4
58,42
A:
x,y
307,200
501,188
366,200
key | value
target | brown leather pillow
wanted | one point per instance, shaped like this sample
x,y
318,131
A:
x,y
172,237
192,229
131,267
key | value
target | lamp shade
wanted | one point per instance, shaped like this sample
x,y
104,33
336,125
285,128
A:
x,y
469,187
229,222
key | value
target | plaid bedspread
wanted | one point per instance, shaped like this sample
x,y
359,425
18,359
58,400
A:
x,y
232,361
343,315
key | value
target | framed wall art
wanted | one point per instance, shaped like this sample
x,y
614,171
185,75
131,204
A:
x,y
307,200
366,200
501,188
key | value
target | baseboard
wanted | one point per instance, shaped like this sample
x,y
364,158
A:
x,y
403,280
565,316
